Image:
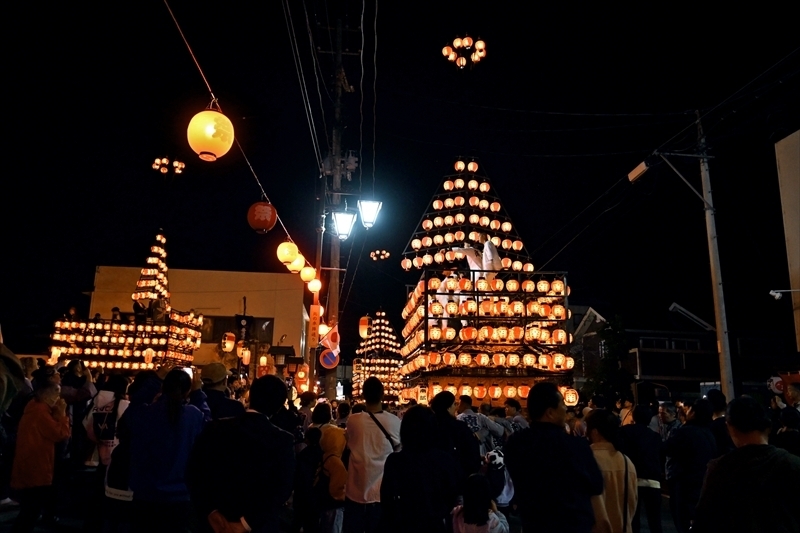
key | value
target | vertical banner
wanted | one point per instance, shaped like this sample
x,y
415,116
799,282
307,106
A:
x,y
313,333
787,154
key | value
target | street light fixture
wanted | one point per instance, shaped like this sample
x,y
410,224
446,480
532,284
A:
x,y
369,210
343,222
779,294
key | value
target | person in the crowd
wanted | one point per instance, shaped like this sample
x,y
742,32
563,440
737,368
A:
x,y
306,514
577,424
788,436
690,448
371,436
625,406
479,512
406,504
77,390
332,474
792,394
411,403
498,416
454,436
643,447
668,421
244,499
10,425
161,436
615,506
514,414
215,384
545,452
43,424
718,426
321,416
502,488
754,488
483,428
342,412
307,402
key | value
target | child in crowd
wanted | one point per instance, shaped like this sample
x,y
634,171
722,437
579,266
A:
x,y
479,512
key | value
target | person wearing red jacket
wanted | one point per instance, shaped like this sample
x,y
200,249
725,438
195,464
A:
x,y
43,424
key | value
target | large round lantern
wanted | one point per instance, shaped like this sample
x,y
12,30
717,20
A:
x,y
464,284
560,336
528,286
571,397
465,390
485,333
449,358
210,134
516,333
434,283
543,286
434,358
523,391
438,204
506,262
512,285
262,216
479,391
228,342
297,264
482,359
307,273
451,389
494,207
451,283
512,359
421,361
499,359
314,285
436,389
570,363
559,312
448,185
518,308
435,333
545,361
464,359
486,307
496,284
364,324
482,284
468,334
495,391
558,286
509,391
529,359
558,361
452,308
287,252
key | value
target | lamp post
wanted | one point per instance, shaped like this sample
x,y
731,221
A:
x,y
723,342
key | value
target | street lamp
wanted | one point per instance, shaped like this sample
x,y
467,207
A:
x,y
779,294
343,222
369,210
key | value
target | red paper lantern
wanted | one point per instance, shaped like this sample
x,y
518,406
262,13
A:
x,y
449,358
509,391
434,359
523,391
499,359
468,334
479,391
465,284
262,216
495,391
496,284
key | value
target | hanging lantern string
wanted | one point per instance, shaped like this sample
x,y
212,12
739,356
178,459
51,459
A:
x,y
215,102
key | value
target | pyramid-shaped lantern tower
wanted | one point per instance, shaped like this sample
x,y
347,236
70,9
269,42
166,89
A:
x,y
465,205
379,356
154,332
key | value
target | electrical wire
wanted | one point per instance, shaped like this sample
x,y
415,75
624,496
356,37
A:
x,y
361,105
374,96
191,53
353,280
315,67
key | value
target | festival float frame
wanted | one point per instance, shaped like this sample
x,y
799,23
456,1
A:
x,y
378,355
158,334
486,333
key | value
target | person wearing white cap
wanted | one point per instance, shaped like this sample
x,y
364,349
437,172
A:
x,y
215,383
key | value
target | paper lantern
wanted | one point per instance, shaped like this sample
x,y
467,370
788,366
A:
x,y
287,252
435,333
297,265
210,134
543,286
427,259
464,284
509,391
471,307
558,286
464,359
518,308
427,242
364,324
451,308
516,333
571,397
502,333
451,388
529,360
459,183
482,284
448,185
438,257
512,285
545,361
544,310
449,358
472,185
438,204
484,187
314,285
570,363
482,359
523,391
459,165
465,390
227,344
499,359
496,240
262,216
512,360
434,358
495,225
485,333
559,312
506,244
559,336
506,228
485,221
506,262
486,307
472,166
468,333
495,391
496,284
451,283
479,391
421,361
307,273
501,308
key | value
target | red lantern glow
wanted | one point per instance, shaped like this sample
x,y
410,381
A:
x,y
262,216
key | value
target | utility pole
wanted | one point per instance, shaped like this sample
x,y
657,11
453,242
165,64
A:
x,y
723,344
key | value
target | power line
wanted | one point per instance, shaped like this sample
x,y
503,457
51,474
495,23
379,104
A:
x,y
315,68
374,96
361,105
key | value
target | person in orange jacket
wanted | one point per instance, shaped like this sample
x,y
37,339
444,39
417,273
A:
x,y
43,424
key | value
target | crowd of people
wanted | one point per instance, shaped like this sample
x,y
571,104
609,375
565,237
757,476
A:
x,y
180,452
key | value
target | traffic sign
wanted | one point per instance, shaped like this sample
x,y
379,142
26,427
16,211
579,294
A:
x,y
329,359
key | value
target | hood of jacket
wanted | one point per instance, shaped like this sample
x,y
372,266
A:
x,y
333,441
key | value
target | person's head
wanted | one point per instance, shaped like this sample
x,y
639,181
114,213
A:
x,y
343,410
321,414
486,409
358,408
268,394
308,399
372,391
215,376
499,412
667,412
444,403
748,421
545,404
701,412
334,405
477,500
418,429
73,311
642,415
597,402
75,367
97,316
313,436
46,374
793,393
176,385
482,237
48,393
464,403
513,407
118,384
602,425
718,401
790,418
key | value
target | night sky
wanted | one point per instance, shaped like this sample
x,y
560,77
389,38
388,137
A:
x,y
567,102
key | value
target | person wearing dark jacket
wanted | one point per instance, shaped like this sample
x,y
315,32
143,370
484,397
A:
x,y
401,489
642,445
454,436
718,426
690,447
788,436
544,460
264,486
754,487
215,383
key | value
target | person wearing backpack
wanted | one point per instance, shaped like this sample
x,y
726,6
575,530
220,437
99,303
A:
x,y
331,479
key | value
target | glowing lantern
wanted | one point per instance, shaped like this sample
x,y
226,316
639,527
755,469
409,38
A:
x,y
502,332
245,356
495,225
434,359
482,284
496,284
262,216
364,324
459,201
228,342
559,312
459,166
506,227
297,265
435,333
486,307
560,336
314,285
512,359
308,273
427,241
544,310
436,389
464,359
509,391
436,308
210,134
464,284
558,286
529,359
427,225
448,185
434,283
486,332
465,390
450,333
427,259
416,244
459,236
506,262
516,333
484,221
545,361
468,334
452,388
459,183
451,283
571,397
449,220
570,363
482,359
499,359
471,307
516,266
421,361
512,285
528,286
438,222
438,257
287,252
450,255
494,206
485,187
543,286
473,219
452,308
472,166
449,358
484,204
473,186
506,244
495,391
417,262
438,204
